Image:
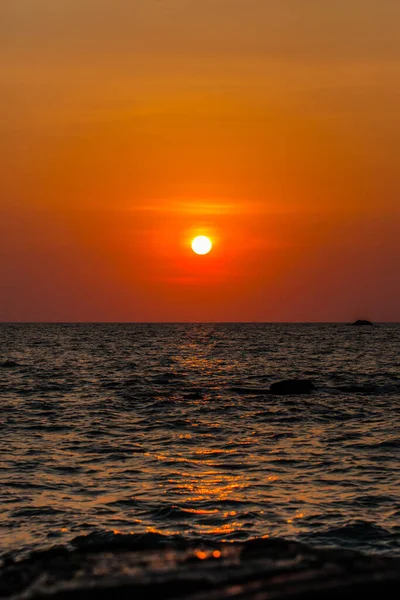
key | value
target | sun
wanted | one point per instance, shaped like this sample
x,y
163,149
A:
x,y
201,244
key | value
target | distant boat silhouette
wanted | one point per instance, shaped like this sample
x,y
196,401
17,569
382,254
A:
x,y
361,322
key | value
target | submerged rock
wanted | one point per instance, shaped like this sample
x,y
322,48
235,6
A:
x,y
292,386
196,395
361,322
10,364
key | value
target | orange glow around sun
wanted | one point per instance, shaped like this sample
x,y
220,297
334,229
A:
x,y
201,244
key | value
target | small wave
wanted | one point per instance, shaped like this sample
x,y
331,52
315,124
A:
x,y
230,466
384,444
254,391
374,500
34,511
168,378
365,389
356,531
387,444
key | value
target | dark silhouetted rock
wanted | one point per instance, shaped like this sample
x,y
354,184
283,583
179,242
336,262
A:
x,y
361,322
9,364
292,386
194,396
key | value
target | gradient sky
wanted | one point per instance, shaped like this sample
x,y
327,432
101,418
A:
x,y
129,126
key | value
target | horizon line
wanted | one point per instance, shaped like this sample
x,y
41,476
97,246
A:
x,y
192,322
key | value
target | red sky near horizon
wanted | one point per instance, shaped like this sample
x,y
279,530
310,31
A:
x,y
129,127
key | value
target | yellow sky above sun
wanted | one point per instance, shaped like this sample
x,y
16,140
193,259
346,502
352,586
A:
x,y
128,126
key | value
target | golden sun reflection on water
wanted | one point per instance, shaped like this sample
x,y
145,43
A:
x,y
199,511
211,487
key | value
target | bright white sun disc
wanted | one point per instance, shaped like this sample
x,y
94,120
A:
x,y
201,244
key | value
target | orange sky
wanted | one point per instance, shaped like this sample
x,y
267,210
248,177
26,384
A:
x,y
129,126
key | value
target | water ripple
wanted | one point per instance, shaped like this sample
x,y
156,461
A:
x,y
171,429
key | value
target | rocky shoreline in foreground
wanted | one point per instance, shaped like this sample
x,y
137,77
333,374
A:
x,y
143,566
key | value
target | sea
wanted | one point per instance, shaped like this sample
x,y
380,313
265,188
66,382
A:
x,y
170,431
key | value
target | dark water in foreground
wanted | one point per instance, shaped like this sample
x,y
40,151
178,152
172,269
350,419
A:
x,y
168,429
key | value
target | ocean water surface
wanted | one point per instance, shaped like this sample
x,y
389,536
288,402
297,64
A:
x,y
170,429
